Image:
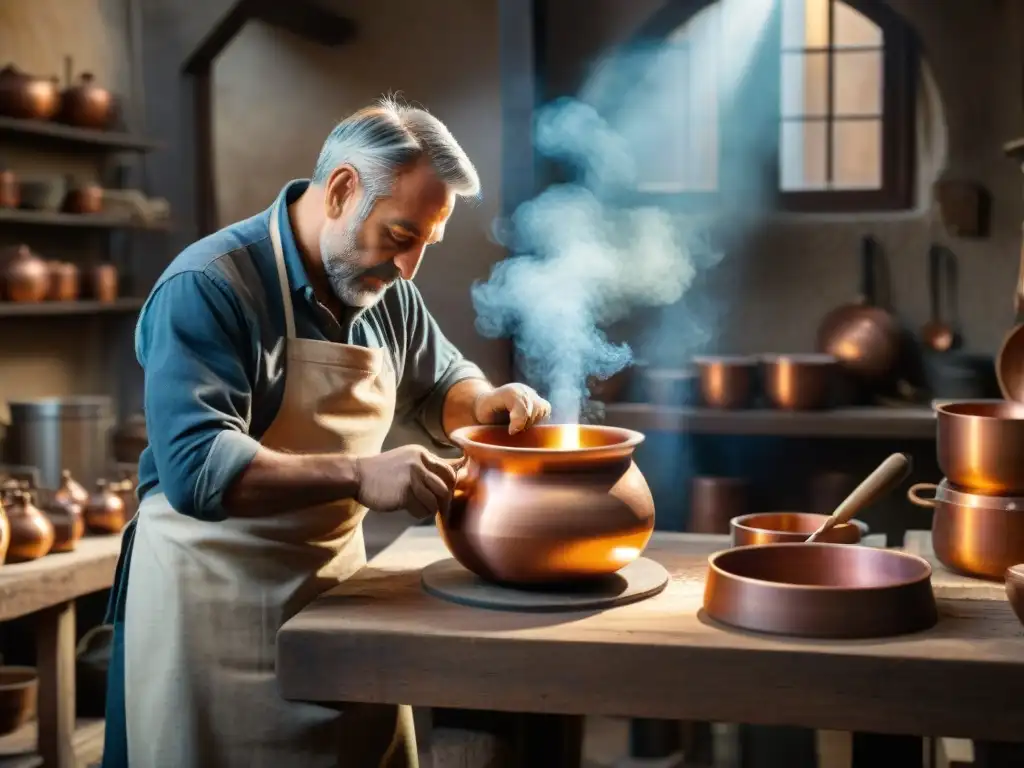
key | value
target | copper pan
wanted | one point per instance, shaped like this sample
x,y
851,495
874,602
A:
x,y
825,590
788,527
863,336
980,445
973,534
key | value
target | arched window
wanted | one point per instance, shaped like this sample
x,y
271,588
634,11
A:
x,y
832,82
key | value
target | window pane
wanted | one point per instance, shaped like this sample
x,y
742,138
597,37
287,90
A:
x,y
802,156
857,82
805,23
857,154
852,28
804,84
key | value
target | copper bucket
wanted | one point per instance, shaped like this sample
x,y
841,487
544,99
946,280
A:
x,y
972,533
820,590
788,527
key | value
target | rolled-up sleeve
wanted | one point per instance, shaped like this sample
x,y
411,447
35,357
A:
x,y
432,366
194,344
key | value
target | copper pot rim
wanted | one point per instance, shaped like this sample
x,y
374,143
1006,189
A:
x,y
983,409
464,437
816,359
948,494
739,361
742,522
925,567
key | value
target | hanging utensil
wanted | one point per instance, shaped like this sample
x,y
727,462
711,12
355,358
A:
x,y
937,334
888,475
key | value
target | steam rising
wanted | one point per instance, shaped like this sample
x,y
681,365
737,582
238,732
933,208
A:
x,y
582,262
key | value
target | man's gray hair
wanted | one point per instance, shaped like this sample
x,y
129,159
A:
x,y
381,140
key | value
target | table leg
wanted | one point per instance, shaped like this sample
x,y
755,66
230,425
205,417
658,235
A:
x,y
552,741
55,662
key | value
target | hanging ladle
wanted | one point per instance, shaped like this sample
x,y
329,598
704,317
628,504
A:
x,y
885,478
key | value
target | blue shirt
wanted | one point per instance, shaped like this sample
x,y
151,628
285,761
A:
x,y
209,339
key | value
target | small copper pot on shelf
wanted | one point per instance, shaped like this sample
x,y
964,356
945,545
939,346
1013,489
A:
x,y
28,97
85,104
105,512
64,281
83,197
800,382
727,382
32,533
65,510
10,189
103,283
26,277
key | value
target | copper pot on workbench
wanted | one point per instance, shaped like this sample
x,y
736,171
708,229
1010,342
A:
x,y
27,97
726,382
105,510
972,533
66,511
555,503
980,445
32,533
26,277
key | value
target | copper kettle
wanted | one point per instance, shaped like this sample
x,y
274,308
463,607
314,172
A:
x,y
26,276
65,511
32,533
84,103
105,511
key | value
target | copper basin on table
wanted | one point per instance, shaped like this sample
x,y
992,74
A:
x,y
557,503
788,527
972,533
980,443
820,590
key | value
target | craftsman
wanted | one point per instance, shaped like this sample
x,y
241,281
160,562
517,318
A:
x,y
276,353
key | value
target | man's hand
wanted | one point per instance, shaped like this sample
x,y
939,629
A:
x,y
410,478
517,402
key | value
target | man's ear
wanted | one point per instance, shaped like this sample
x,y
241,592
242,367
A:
x,y
342,191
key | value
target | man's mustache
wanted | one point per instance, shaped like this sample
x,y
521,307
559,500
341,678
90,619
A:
x,y
386,272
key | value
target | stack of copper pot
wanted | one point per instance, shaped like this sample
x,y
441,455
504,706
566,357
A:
x,y
978,526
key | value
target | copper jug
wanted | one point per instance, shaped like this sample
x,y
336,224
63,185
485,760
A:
x,y
63,281
556,503
83,197
27,97
65,511
5,534
105,511
85,104
32,533
26,276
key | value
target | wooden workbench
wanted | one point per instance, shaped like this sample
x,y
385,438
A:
x,y
380,638
48,588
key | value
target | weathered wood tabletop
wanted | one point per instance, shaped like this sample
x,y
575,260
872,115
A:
x,y
380,638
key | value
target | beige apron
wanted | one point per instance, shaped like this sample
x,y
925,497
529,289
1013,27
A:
x,y
205,599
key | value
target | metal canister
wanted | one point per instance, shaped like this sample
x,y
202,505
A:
x,y
61,433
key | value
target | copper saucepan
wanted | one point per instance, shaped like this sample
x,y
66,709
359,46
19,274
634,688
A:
x,y
788,527
972,533
863,336
556,503
980,445
800,382
726,382
825,590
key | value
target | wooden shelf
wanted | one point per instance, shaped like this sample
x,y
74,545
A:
x,y
58,578
18,749
866,422
90,220
40,132
62,308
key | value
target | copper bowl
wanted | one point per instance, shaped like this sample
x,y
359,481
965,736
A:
x,y
788,527
556,503
820,590
972,533
1015,590
980,443
726,382
799,382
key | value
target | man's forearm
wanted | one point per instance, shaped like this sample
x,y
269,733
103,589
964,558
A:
x,y
275,482
460,403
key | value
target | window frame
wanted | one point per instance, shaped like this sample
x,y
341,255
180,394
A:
x,y
899,130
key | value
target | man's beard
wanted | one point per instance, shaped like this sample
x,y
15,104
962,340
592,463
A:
x,y
339,249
